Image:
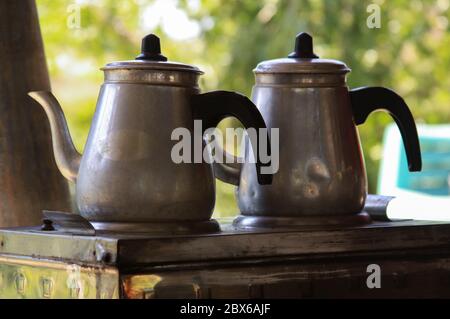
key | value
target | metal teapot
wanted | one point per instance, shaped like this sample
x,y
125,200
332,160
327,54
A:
x,y
321,176
126,179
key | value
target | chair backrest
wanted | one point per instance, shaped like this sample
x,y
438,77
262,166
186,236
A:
x,y
434,177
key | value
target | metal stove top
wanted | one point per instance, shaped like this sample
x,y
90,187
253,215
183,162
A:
x,y
229,243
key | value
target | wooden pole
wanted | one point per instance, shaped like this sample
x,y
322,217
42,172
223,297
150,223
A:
x,y
29,178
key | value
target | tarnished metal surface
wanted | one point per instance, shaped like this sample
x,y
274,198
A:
x,y
141,249
163,77
321,167
424,277
68,223
419,273
165,229
127,175
233,244
58,245
414,257
33,278
304,223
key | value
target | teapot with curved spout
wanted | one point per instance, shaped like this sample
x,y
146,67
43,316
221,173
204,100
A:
x,y
66,156
126,179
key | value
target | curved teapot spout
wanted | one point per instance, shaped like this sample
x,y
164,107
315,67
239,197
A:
x,y
66,156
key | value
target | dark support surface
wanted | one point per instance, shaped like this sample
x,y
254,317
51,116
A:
x,y
135,250
414,258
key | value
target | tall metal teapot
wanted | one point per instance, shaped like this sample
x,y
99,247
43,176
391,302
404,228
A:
x,y
321,176
126,179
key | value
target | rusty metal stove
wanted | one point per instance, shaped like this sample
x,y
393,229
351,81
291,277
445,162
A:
x,y
414,258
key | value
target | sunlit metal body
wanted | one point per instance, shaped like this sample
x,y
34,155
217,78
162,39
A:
x,y
126,178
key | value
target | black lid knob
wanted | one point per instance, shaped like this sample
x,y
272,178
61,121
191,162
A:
x,y
151,49
303,47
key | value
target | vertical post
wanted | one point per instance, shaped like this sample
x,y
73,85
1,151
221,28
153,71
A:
x,y
29,178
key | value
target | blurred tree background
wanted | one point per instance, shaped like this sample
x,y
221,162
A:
x,y
410,52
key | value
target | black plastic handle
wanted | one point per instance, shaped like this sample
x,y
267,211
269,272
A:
x,y
212,107
365,100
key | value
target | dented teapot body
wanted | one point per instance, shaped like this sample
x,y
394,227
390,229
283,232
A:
x,y
321,168
321,177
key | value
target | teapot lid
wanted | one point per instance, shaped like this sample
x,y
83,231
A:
x,y
302,60
151,59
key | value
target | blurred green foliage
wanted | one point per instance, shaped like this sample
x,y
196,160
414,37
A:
x,y
410,52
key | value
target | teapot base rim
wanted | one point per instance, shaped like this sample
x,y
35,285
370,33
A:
x,y
326,222
158,228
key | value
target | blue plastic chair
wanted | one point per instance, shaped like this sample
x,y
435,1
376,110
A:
x,y
394,177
